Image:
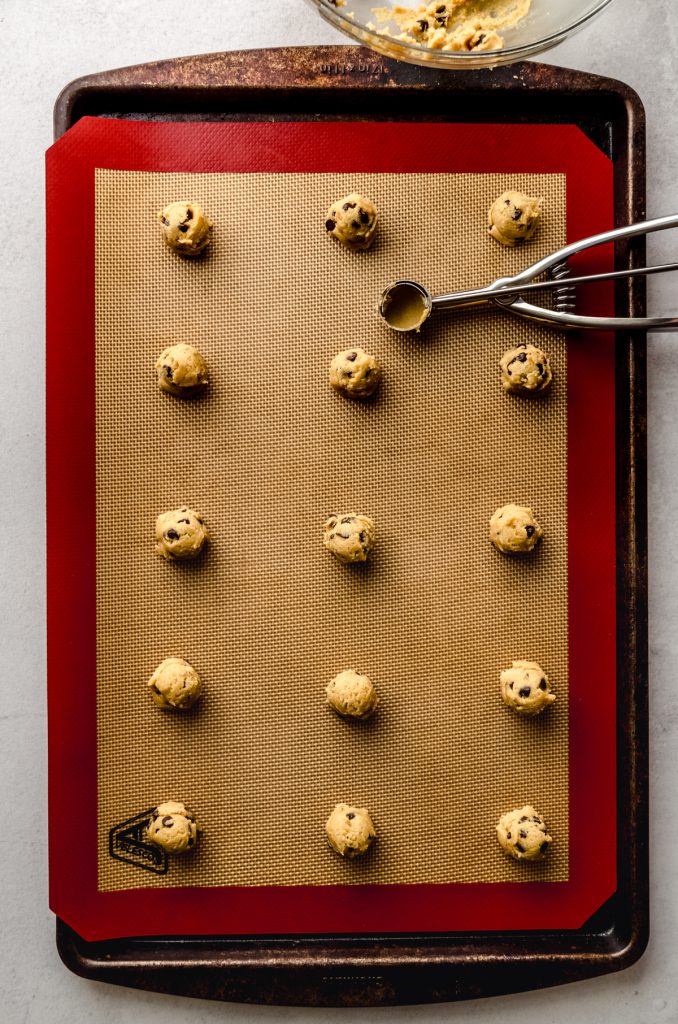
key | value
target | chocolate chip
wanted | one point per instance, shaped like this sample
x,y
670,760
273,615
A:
x,y
422,25
189,213
517,214
165,221
524,691
510,686
364,216
507,202
523,833
168,372
480,39
542,684
537,821
330,225
519,846
522,357
167,821
172,535
441,21
349,206
350,815
348,373
524,818
362,536
442,9
344,536
187,521
351,356
540,369
544,847
348,519
355,224
183,228
529,530
508,835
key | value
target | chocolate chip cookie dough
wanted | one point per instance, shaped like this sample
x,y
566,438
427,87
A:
x,y
355,372
186,228
525,688
353,221
513,218
181,370
522,834
172,827
350,830
352,695
525,369
175,684
349,536
180,534
514,529
451,25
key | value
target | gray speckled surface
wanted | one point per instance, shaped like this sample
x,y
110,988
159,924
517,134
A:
x,y
46,43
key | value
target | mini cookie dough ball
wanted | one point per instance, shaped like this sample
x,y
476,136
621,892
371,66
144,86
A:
x,y
525,688
350,830
355,372
522,834
349,536
186,228
353,221
180,534
513,217
181,370
172,827
525,369
175,684
514,530
352,695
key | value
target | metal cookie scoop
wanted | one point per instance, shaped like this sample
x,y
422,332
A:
x,y
406,305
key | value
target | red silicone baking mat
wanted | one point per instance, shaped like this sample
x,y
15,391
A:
x,y
337,148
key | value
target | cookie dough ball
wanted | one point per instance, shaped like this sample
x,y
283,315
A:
x,y
353,221
522,834
175,684
180,534
349,536
350,830
525,688
181,370
172,827
514,530
186,228
513,217
352,695
525,369
355,372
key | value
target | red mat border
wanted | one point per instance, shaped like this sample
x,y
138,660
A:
x,y
71,495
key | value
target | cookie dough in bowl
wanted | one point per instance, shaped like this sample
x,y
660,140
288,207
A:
x,y
355,372
525,369
353,221
525,688
181,370
352,695
350,830
513,218
522,834
514,529
180,534
186,228
349,536
172,827
175,684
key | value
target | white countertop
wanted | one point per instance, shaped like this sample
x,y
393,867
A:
x,y
46,43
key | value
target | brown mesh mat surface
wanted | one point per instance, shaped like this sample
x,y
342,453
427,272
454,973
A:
x,y
269,616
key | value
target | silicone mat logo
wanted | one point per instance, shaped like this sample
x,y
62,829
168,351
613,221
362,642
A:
x,y
127,842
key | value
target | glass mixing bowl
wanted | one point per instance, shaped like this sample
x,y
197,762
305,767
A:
x,y
547,23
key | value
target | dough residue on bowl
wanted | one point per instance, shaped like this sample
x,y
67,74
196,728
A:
x,y
453,25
